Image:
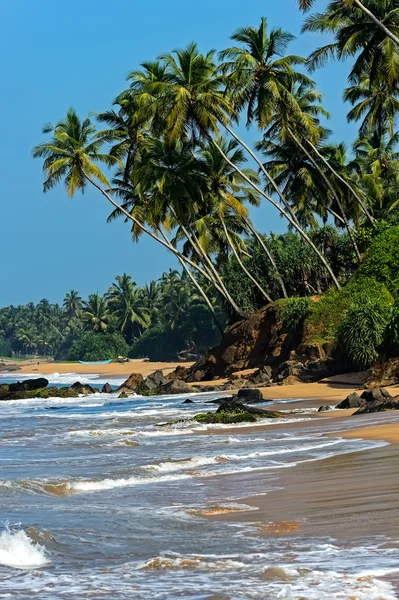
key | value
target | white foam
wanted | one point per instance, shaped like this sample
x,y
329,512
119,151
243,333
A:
x,y
18,551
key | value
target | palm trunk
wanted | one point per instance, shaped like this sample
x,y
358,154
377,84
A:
x,y
192,239
163,243
376,21
342,180
243,267
268,254
332,190
299,229
199,288
265,172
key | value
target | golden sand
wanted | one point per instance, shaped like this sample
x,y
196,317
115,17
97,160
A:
x,y
388,433
112,369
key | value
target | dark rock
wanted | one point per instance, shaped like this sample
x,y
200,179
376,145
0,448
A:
x,y
175,387
324,408
211,388
156,379
188,401
83,388
250,395
106,389
28,385
352,401
123,395
379,405
376,394
178,373
131,383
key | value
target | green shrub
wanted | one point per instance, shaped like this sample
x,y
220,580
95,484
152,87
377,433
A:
x,y
363,331
158,343
98,346
381,261
392,332
295,312
5,347
326,316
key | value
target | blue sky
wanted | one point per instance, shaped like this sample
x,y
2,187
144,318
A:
x,y
78,53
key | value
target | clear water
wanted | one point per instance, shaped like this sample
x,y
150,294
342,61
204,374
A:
x,y
100,499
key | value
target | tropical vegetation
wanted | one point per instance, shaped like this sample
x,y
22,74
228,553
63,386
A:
x,y
171,161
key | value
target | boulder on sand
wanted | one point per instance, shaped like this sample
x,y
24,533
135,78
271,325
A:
x,y
380,405
352,401
376,394
324,409
250,395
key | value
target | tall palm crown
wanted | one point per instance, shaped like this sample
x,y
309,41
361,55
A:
x,y
71,154
127,303
260,76
95,313
375,53
186,88
376,106
72,304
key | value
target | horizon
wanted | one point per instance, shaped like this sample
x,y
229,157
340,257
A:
x,y
76,248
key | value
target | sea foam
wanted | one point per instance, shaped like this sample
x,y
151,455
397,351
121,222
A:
x,y
18,551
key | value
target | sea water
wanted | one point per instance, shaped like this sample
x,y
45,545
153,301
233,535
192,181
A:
x,y
101,498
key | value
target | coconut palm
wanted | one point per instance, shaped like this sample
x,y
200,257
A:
x,y
189,94
259,73
126,302
96,313
376,106
366,9
71,155
72,305
376,52
377,164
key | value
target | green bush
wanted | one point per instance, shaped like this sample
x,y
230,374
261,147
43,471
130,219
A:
x,y
381,261
295,312
363,331
392,333
5,348
159,343
98,346
326,316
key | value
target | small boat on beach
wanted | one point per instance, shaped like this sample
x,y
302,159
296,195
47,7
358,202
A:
x,y
96,362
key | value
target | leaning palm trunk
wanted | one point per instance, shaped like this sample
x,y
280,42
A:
x,y
332,190
199,288
241,263
209,266
163,243
342,180
268,254
265,173
299,229
376,21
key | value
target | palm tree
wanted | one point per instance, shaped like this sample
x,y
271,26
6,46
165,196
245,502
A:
x,y
259,73
189,95
377,106
376,49
71,156
126,302
72,305
377,165
126,130
96,313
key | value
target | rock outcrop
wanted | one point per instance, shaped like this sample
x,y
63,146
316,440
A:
x,y
131,383
232,410
38,388
352,401
380,405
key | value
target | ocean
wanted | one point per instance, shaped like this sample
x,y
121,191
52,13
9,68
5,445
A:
x,y
101,498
